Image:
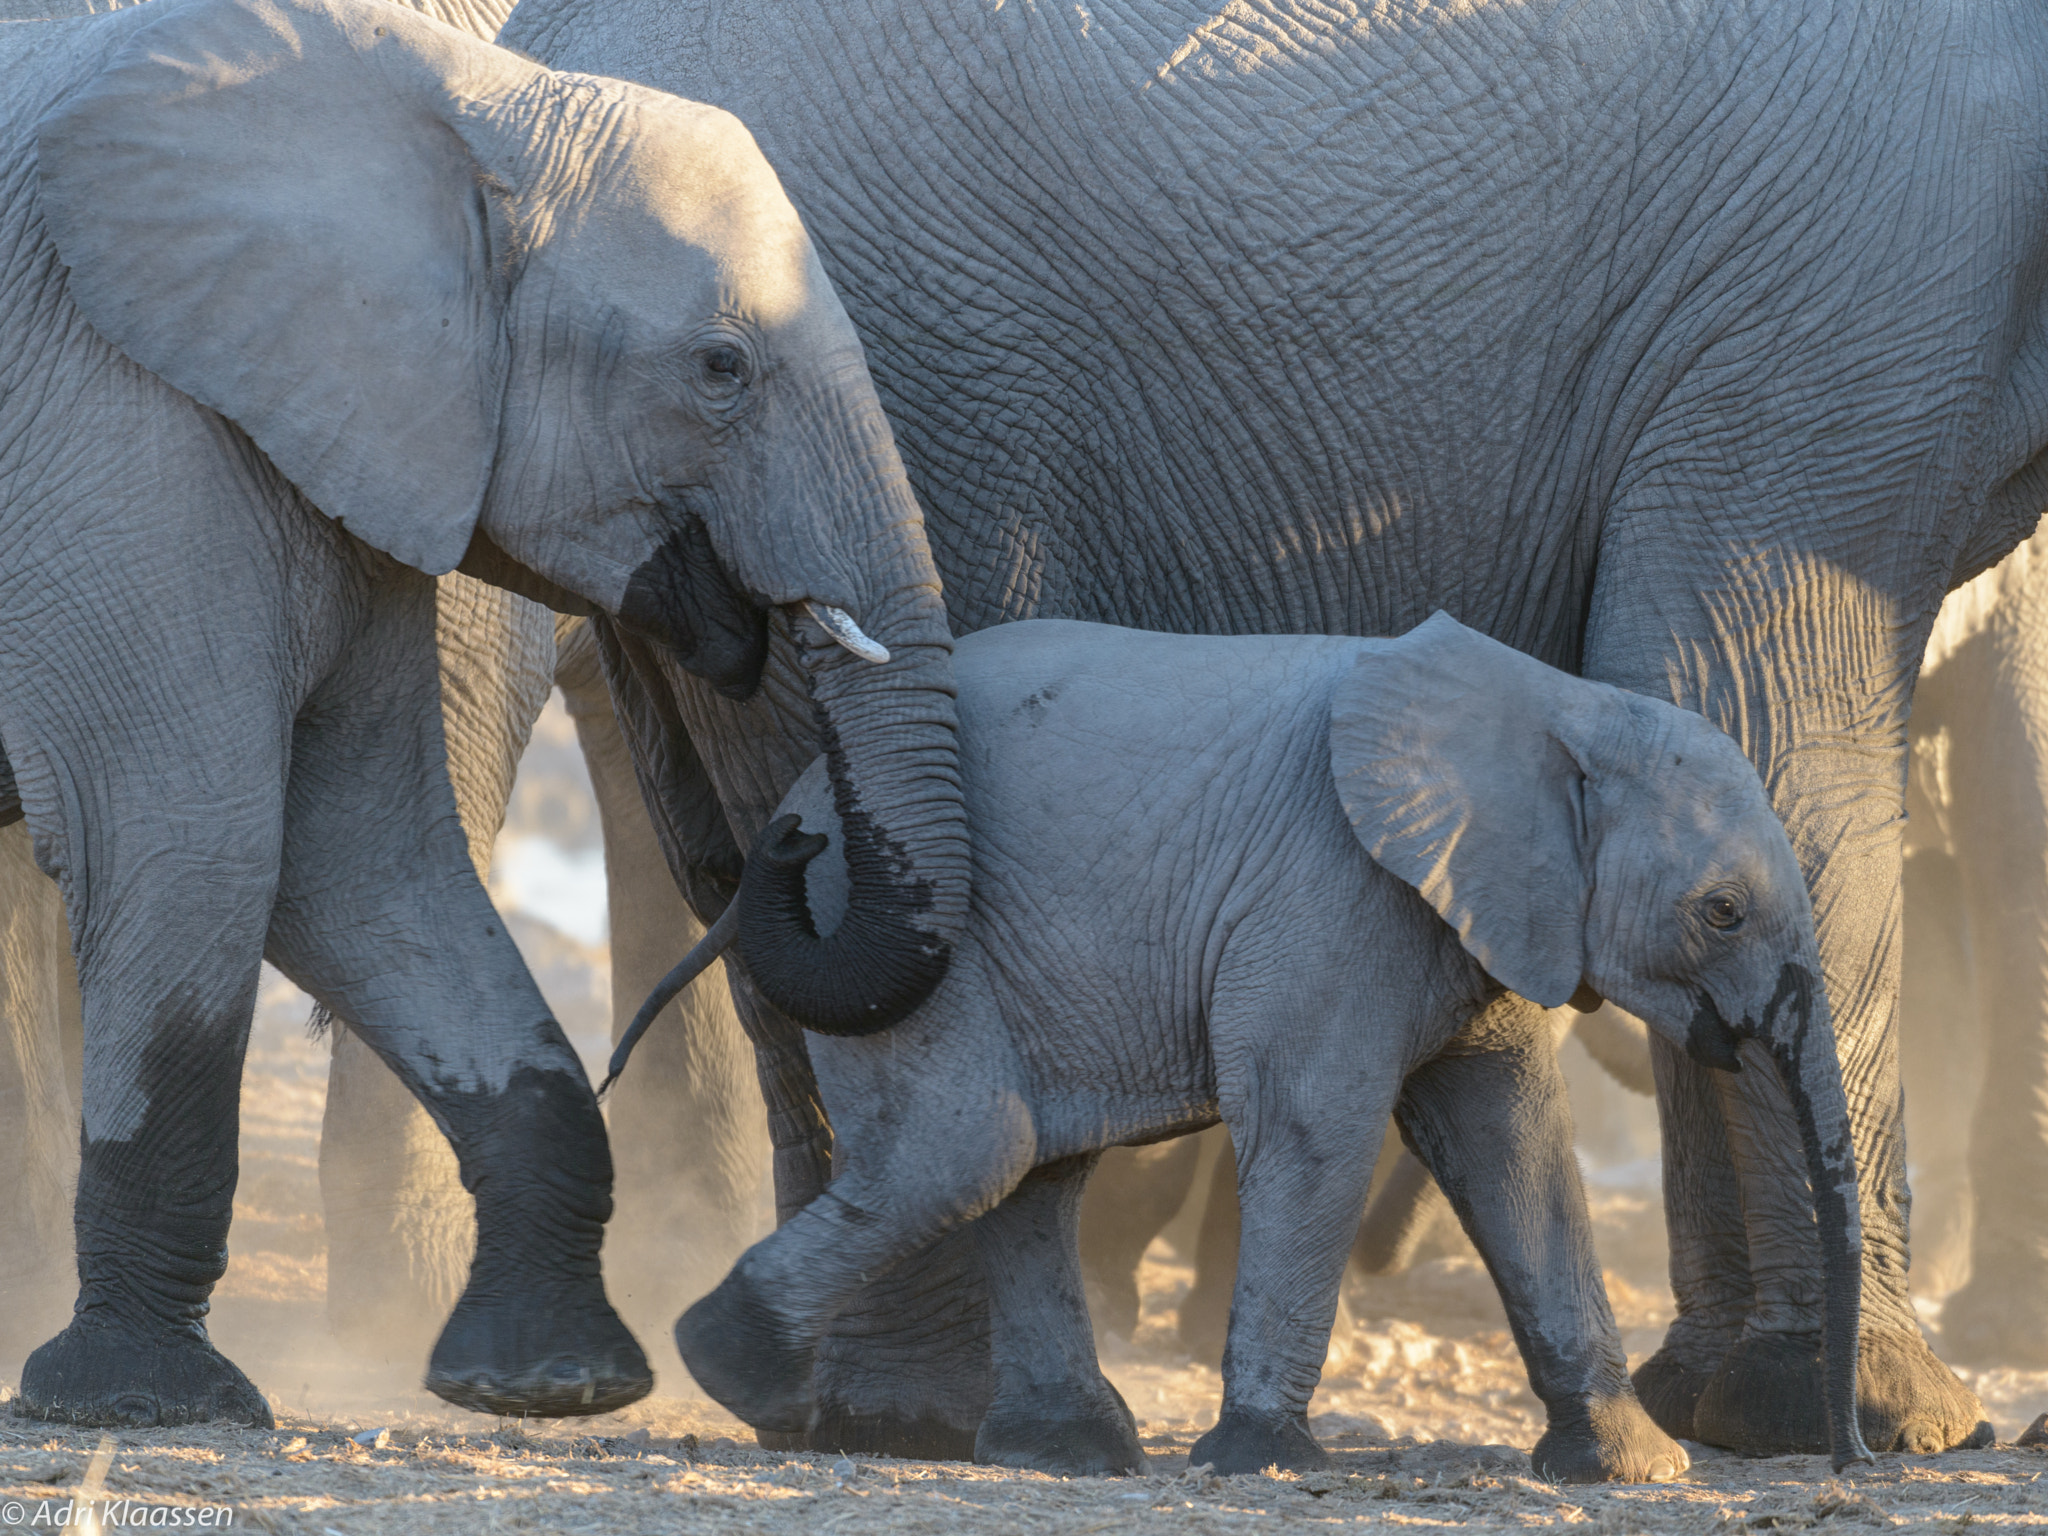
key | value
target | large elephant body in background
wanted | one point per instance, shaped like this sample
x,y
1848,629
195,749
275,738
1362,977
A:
x,y
1693,346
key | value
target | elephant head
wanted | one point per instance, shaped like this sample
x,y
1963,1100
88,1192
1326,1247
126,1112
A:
x,y
1586,842
566,332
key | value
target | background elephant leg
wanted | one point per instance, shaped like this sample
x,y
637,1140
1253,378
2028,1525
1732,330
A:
x,y
1491,1121
1998,714
1941,1057
1205,1310
1405,1208
1709,1242
400,1226
1052,1409
690,1149
39,1065
1132,1195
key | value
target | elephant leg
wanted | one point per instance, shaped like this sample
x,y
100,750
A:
x,y
903,1193
1052,1409
1205,1310
399,1223
1941,1057
1999,771
1709,1242
1132,1195
38,1102
1807,657
1491,1121
380,915
172,913
688,1136
1305,1153
400,1227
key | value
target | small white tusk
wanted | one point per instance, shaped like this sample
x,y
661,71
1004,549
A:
x,y
838,623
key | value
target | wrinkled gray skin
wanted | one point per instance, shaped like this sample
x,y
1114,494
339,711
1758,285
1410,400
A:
x,y
689,1153
1197,862
1688,346
221,707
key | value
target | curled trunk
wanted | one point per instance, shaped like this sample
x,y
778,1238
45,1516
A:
x,y
887,730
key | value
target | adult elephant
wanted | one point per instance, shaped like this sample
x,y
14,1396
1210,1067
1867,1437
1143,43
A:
x,y
1691,347
607,367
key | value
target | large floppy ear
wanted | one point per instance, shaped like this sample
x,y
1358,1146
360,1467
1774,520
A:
x,y
1451,756
268,204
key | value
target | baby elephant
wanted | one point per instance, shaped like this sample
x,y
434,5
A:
x,y
1286,882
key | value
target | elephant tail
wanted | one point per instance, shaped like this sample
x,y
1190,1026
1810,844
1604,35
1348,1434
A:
x,y
688,969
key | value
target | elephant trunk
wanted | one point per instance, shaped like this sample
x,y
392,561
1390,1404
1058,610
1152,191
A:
x,y
887,729
1801,1039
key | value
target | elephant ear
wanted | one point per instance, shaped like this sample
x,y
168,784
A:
x,y
266,203
1451,759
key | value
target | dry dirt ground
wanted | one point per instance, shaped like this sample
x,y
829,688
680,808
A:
x,y
1424,1401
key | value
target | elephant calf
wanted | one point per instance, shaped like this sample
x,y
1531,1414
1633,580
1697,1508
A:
x,y
1197,862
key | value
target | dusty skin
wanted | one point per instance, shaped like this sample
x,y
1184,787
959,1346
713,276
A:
x,y
1430,1425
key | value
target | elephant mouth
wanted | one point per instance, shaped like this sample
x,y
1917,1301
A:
x,y
683,599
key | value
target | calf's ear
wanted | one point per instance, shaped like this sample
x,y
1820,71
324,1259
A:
x,y
271,205
1451,757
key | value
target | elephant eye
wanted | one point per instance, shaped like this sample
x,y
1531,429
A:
x,y
1724,908
723,366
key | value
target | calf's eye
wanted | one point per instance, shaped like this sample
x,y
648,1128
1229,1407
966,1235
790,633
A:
x,y
1724,909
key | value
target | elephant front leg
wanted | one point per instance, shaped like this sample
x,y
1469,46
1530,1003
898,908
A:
x,y
1495,1130
1052,1409
168,978
381,916
1806,657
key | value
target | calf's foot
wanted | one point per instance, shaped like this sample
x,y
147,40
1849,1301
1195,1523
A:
x,y
748,1358
1062,1431
1609,1440
1768,1398
904,1369
103,1375
1244,1441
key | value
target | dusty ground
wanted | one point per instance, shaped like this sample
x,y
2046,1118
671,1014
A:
x,y
1424,1401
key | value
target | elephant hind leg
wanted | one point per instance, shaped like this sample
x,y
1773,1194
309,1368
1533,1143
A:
x,y
172,913
1051,1410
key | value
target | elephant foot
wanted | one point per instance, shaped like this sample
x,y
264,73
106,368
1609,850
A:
x,y
1907,1400
1669,1391
1768,1398
904,1369
1062,1431
1610,1440
105,1376
1243,1441
1987,1324
1669,1383
744,1354
539,1353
